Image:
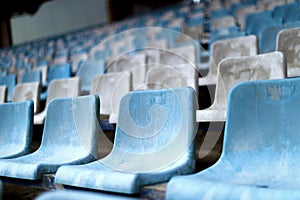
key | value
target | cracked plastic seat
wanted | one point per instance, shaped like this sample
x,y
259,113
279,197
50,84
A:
x,y
234,47
16,126
235,70
70,136
154,140
260,153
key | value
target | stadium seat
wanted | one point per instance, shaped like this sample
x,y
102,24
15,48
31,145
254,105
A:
x,y
60,88
288,43
232,71
70,136
28,91
87,71
111,87
234,47
32,76
10,81
16,126
259,158
154,140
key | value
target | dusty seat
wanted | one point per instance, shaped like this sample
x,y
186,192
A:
x,y
16,128
154,140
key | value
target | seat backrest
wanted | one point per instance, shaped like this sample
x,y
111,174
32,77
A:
x,y
87,71
288,42
223,22
32,76
58,72
235,70
179,55
62,88
162,77
71,123
257,128
267,42
3,94
235,47
151,125
28,91
10,81
111,87
16,128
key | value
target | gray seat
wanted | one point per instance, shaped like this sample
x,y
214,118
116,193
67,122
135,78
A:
x,y
70,136
28,91
154,140
16,127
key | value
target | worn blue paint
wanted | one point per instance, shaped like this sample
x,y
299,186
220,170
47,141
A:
x,y
261,147
16,124
153,142
69,137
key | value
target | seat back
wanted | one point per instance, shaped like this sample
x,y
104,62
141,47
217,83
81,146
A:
x,y
288,42
28,91
3,94
71,126
58,72
62,88
16,127
179,55
10,81
32,76
151,125
255,132
111,87
235,70
87,71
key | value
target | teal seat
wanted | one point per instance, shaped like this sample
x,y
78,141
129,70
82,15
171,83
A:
x,y
70,136
10,81
261,147
154,141
16,126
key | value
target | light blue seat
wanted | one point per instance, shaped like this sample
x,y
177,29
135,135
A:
x,y
154,140
267,42
87,71
32,76
81,195
70,136
16,126
261,147
10,81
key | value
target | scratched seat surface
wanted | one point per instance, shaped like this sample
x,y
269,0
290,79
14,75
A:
x,y
111,87
28,91
69,87
16,126
235,70
153,142
288,42
259,158
69,137
235,47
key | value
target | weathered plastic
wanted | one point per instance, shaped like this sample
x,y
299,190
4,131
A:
x,y
288,42
28,91
70,136
259,158
87,71
16,126
111,87
3,94
179,55
235,47
10,81
80,195
235,70
223,22
153,142
60,88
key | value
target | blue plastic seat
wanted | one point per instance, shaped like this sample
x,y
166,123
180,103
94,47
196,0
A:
x,y
87,71
32,76
259,158
10,81
154,140
267,42
70,136
81,195
252,18
16,126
